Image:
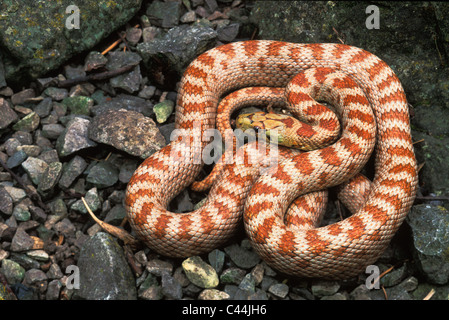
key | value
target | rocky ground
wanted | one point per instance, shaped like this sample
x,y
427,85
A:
x,y
72,133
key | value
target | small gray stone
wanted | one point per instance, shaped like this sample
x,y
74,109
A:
x,y
43,108
232,275
50,177
94,60
241,256
22,96
74,137
200,273
430,230
21,241
53,290
229,32
159,267
65,227
216,259
128,131
171,287
104,272
92,199
8,114
72,171
116,215
33,276
103,175
13,272
6,203
280,290
248,283
325,288
52,131
21,212
164,14
35,168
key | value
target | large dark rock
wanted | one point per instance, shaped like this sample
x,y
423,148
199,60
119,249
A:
x,y
34,38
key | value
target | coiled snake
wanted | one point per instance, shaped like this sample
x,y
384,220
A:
x,y
339,250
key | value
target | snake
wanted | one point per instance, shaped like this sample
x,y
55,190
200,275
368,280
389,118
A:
x,y
259,196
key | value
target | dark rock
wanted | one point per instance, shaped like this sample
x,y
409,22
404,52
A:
x,y
52,131
430,229
53,290
104,272
28,123
43,108
159,267
229,32
92,199
72,171
8,114
127,102
22,96
16,159
178,48
241,256
33,49
21,241
35,168
103,175
128,131
94,60
171,288
56,94
6,204
74,137
13,272
164,14
216,259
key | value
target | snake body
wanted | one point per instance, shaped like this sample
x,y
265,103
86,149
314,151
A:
x,y
339,250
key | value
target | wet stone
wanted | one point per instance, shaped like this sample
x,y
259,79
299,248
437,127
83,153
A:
x,y
128,131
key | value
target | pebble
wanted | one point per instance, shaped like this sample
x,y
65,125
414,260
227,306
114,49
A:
x,y
213,294
103,270
200,273
71,171
13,272
6,202
74,138
28,123
103,175
216,258
280,290
241,256
171,288
8,114
21,241
325,288
159,267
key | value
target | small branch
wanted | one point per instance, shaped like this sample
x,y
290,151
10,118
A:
x,y
113,230
96,76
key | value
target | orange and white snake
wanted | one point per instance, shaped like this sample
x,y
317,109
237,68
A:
x,y
373,102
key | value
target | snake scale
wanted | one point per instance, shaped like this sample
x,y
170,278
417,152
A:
x,y
335,251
